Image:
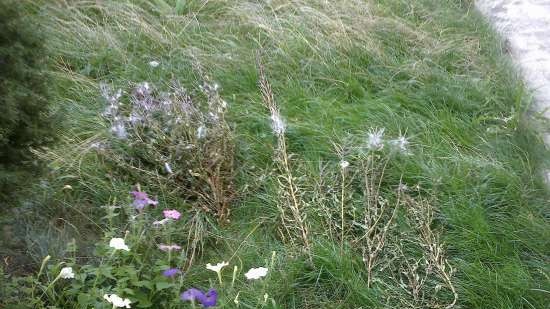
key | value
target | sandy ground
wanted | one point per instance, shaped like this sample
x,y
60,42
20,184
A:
x,y
525,24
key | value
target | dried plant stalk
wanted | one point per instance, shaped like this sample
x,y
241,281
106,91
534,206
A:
x,y
378,217
295,222
421,214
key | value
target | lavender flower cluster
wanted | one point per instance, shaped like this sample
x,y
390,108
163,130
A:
x,y
164,110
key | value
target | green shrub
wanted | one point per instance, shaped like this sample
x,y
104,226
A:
x,y
25,120
24,116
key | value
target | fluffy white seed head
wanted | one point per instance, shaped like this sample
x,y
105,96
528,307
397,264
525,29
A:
x,y
375,139
277,124
401,144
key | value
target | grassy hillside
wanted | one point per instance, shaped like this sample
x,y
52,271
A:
x,y
370,154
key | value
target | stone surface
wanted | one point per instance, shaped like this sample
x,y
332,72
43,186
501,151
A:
x,y
525,24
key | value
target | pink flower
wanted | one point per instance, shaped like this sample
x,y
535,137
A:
x,y
171,214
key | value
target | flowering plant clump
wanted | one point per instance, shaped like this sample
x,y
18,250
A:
x,y
177,133
183,138
137,278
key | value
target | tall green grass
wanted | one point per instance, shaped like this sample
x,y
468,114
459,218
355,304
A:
x,y
432,70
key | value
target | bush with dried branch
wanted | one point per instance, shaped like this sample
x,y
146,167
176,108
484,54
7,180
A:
x,y
179,140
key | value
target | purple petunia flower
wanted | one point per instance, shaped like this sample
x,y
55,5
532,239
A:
x,y
171,272
141,199
207,300
192,294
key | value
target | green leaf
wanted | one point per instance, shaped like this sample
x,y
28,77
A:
x,y
142,299
83,300
128,291
163,285
106,271
143,283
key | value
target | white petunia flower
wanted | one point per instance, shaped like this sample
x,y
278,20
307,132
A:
x,y
117,301
66,273
256,273
118,244
162,222
154,63
375,139
218,267
168,248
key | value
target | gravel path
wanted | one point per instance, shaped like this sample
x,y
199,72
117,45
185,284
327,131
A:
x,y
525,24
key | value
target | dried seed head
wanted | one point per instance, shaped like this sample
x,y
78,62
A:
x,y
401,144
375,139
